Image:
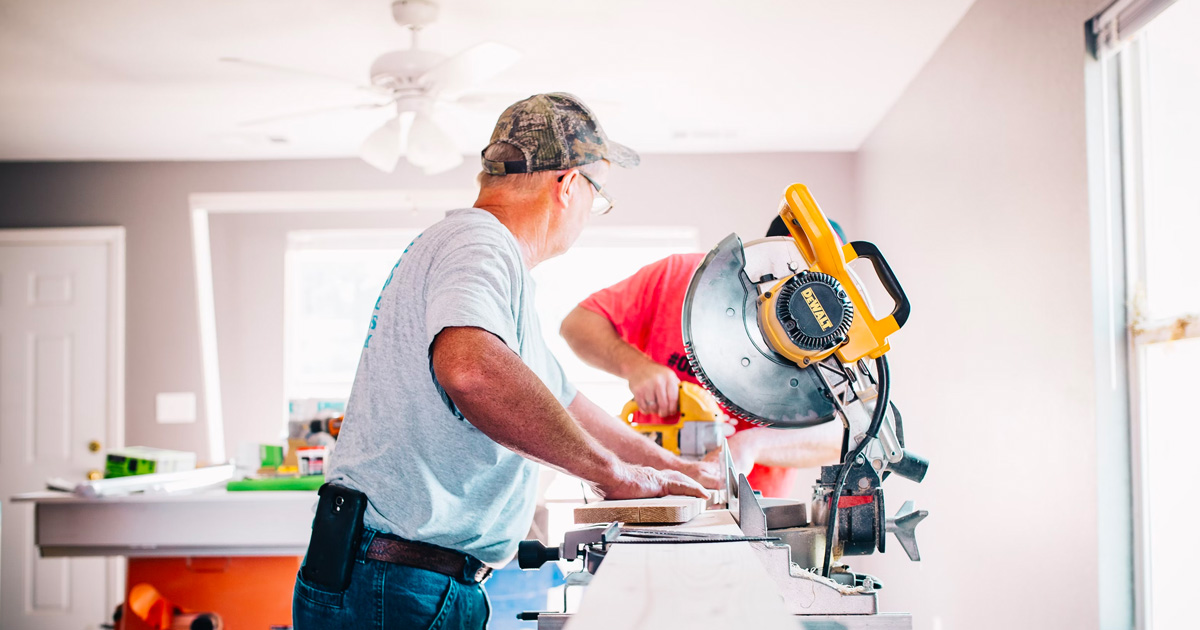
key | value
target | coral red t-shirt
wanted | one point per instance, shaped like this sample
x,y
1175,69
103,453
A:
x,y
647,311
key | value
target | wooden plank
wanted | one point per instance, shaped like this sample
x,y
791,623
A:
x,y
685,587
672,510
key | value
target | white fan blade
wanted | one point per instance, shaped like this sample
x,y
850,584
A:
x,y
310,112
470,67
430,148
262,65
488,102
493,103
382,148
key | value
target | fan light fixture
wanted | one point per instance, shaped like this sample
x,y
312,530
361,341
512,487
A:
x,y
418,84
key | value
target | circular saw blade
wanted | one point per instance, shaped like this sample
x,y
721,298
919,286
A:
x,y
726,348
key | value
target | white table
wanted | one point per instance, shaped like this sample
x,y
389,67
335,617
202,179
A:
x,y
202,523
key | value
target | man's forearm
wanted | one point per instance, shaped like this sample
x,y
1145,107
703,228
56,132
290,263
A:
x,y
592,337
628,444
505,400
792,448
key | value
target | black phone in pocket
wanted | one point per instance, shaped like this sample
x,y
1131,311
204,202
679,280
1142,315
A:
x,y
336,532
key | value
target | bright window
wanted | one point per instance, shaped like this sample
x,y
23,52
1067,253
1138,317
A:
x,y
1165,300
602,257
1155,146
334,276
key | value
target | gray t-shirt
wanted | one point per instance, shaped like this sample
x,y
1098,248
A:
x,y
430,475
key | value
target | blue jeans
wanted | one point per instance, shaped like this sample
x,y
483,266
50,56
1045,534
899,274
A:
x,y
387,596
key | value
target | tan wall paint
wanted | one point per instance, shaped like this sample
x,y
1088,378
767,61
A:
x,y
717,193
974,186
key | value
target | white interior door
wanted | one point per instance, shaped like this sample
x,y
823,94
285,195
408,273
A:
x,y
60,406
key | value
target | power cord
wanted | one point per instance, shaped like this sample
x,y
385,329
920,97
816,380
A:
x,y
881,407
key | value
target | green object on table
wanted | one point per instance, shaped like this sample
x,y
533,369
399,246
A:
x,y
145,460
121,466
277,484
270,455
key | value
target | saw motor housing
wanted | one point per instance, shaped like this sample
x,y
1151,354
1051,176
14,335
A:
x,y
821,310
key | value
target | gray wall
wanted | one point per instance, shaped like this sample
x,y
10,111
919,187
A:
x,y
975,187
718,194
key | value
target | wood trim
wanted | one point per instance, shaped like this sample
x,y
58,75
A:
x,y
104,234
437,199
206,319
1183,327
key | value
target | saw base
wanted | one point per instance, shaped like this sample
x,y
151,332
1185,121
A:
x,y
884,621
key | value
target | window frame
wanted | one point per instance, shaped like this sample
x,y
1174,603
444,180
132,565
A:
x,y
1116,94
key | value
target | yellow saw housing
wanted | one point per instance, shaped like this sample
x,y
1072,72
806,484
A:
x,y
820,310
698,412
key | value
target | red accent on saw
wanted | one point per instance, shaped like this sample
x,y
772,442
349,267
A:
x,y
846,502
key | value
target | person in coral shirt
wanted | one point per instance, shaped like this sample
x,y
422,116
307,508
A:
x,y
633,329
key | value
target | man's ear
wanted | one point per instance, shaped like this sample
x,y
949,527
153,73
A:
x,y
564,187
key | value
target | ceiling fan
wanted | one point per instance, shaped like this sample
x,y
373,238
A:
x,y
417,83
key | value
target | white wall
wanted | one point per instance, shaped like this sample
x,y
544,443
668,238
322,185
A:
x,y
974,186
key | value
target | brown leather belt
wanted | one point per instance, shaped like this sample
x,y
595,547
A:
x,y
436,559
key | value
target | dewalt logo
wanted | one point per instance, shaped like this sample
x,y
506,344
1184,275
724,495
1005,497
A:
x,y
818,311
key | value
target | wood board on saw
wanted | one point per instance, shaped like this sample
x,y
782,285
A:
x,y
661,510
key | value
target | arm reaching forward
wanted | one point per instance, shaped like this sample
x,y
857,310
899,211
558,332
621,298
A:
x,y
655,387
790,448
498,394
633,447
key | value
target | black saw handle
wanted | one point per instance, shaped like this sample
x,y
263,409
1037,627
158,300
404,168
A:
x,y
864,249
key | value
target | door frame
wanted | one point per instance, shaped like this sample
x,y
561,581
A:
x,y
113,238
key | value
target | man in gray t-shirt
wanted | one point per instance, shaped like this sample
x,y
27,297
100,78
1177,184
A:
x,y
457,398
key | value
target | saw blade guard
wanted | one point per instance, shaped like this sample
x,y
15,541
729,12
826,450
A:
x,y
726,349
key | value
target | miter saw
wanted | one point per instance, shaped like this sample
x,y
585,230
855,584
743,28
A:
x,y
780,331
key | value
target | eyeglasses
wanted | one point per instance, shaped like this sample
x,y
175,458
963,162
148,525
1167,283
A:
x,y
602,204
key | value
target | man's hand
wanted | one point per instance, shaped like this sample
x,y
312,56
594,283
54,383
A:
x,y
634,448
655,388
640,482
790,448
710,472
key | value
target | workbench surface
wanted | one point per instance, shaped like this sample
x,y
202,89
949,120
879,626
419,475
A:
x,y
202,523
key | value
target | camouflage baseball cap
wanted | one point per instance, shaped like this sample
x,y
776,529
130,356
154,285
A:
x,y
555,132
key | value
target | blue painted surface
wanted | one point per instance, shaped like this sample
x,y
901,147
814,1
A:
x,y
513,591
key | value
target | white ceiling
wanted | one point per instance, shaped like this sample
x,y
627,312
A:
x,y
140,80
